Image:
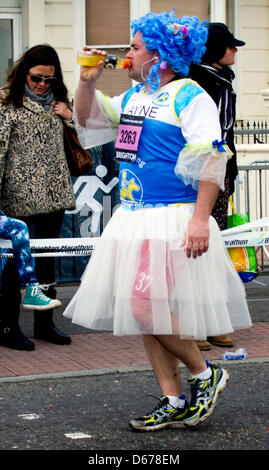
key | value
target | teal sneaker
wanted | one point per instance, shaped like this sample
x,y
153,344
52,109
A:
x,y
164,415
35,299
204,395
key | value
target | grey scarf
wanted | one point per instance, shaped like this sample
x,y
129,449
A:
x,y
45,99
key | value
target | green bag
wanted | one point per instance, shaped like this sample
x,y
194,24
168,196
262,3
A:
x,y
244,258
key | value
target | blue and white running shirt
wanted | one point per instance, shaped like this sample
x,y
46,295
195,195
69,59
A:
x,y
179,113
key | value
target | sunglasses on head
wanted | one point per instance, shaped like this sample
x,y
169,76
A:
x,y
38,78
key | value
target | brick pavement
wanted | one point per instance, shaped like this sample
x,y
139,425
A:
x,y
101,352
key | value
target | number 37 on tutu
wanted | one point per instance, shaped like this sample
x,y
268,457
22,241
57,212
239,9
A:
x,y
143,282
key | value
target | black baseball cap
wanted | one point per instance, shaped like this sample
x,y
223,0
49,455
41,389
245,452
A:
x,y
221,32
219,38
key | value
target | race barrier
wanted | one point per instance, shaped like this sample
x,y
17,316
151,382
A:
x,y
54,247
58,247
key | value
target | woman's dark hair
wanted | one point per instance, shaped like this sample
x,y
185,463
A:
x,y
42,54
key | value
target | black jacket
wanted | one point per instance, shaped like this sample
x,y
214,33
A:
x,y
218,84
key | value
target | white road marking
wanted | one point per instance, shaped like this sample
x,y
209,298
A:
x,y
29,416
78,435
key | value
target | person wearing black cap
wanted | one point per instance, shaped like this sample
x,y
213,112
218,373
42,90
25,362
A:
x,y
215,76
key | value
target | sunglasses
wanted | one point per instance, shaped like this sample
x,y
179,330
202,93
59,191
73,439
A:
x,y
39,79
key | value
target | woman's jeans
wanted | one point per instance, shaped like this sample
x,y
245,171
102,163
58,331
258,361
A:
x,y
39,226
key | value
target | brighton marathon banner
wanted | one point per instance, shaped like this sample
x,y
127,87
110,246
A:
x,y
239,236
54,247
58,247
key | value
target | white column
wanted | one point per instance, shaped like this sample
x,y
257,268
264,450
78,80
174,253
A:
x,y
80,30
80,23
36,22
218,11
139,8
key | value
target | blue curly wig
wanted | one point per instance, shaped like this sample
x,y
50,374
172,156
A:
x,y
178,41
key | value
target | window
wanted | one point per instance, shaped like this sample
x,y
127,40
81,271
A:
x,y
199,8
109,29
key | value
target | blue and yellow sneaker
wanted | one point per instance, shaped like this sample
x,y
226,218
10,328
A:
x,y
35,299
204,395
164,415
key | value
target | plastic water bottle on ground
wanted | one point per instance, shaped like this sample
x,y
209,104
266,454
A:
x,y
238,354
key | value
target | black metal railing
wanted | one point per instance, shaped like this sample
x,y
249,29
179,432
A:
x,y
255,133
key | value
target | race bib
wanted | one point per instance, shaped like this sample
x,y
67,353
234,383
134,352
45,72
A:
x,y
129,132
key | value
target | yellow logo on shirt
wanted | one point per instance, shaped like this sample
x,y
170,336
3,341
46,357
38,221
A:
x,y
162,97
128,186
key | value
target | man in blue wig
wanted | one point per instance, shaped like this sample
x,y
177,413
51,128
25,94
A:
x,y
160,268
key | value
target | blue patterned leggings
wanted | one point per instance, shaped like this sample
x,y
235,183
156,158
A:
x,y
17,231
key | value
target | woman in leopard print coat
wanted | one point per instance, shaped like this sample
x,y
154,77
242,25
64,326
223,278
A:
x,y
34,176
35,182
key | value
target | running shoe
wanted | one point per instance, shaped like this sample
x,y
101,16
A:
x,y
162,416
204,395
35,298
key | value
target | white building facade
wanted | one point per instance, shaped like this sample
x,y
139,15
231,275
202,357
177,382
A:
x,y
68,25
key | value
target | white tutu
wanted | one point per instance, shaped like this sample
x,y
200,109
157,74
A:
x,y
138,280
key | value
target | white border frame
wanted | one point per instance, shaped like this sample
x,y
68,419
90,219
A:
x,y
17,31
80,30
218,11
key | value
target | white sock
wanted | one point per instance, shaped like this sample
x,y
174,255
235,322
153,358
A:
x,y
206,374
176,402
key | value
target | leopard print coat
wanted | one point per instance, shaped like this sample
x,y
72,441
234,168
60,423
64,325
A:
x,y
34,176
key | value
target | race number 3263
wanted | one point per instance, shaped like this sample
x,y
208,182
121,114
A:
x,y
128,137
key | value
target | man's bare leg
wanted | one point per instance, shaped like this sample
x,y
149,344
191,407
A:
x,y
165,366
174,411
164,352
